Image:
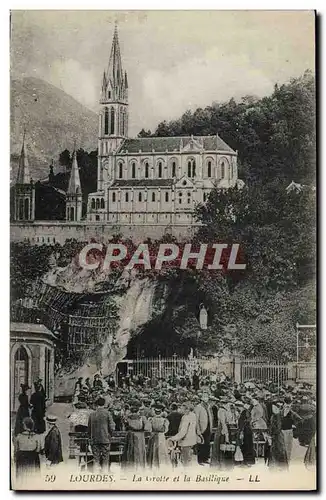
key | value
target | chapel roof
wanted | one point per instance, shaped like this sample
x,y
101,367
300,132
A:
x,y
172,144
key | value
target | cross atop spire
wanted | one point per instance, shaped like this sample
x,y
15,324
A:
x,y
23,176
114,80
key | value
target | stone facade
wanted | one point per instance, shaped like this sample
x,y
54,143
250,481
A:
x,y
52,232
151,180
146,186
31,357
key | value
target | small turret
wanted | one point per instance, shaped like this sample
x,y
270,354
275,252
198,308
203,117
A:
x,y
23,176
74,198
24,191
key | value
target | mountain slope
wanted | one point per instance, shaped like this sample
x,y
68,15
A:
x,y
53,120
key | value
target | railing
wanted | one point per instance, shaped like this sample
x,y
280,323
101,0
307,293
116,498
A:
x,y
306,371
165,367
264,371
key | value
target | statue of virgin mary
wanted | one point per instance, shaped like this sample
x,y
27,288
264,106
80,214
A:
x,y
203,317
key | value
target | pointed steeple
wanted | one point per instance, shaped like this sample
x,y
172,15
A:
x,y
74,181
104,82
23,176
115,73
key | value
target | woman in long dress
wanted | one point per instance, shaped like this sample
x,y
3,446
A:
x,y
219,455
134,453
278,456
23,410
27,447
38,411
157,451
245,437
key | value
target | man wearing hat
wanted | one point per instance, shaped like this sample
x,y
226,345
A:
x,y
204,425
187,433
52,442
100,427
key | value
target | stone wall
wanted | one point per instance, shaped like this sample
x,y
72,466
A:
x,y
51,232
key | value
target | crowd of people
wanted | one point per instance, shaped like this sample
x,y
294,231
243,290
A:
x,y
30,439
213,419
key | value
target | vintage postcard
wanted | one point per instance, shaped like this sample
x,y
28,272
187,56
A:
x,y
163,250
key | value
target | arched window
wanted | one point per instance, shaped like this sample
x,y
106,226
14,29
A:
x,y
124,122
174,169
113,197
166,196
146,170
21,367
26,209
97,203
153,196
191,168
72,217
21,209
139,196
222,169
209,169
93,203
106,121
102,203
109,94
121,121
112,121
180,198
188,198
120,170
159,169
127,197
133,170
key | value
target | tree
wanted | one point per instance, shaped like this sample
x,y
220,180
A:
x,y
144,133
64,158
275,136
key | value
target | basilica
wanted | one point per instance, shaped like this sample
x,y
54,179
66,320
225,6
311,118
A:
x,y
141,182
148,180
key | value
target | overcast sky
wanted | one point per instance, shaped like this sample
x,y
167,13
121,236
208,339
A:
x,y
175,60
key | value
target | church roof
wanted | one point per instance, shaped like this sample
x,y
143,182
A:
x,y
172,144
142,183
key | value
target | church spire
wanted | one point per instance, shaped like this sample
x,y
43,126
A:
x,y
115,73
23,176
74,198
74,181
